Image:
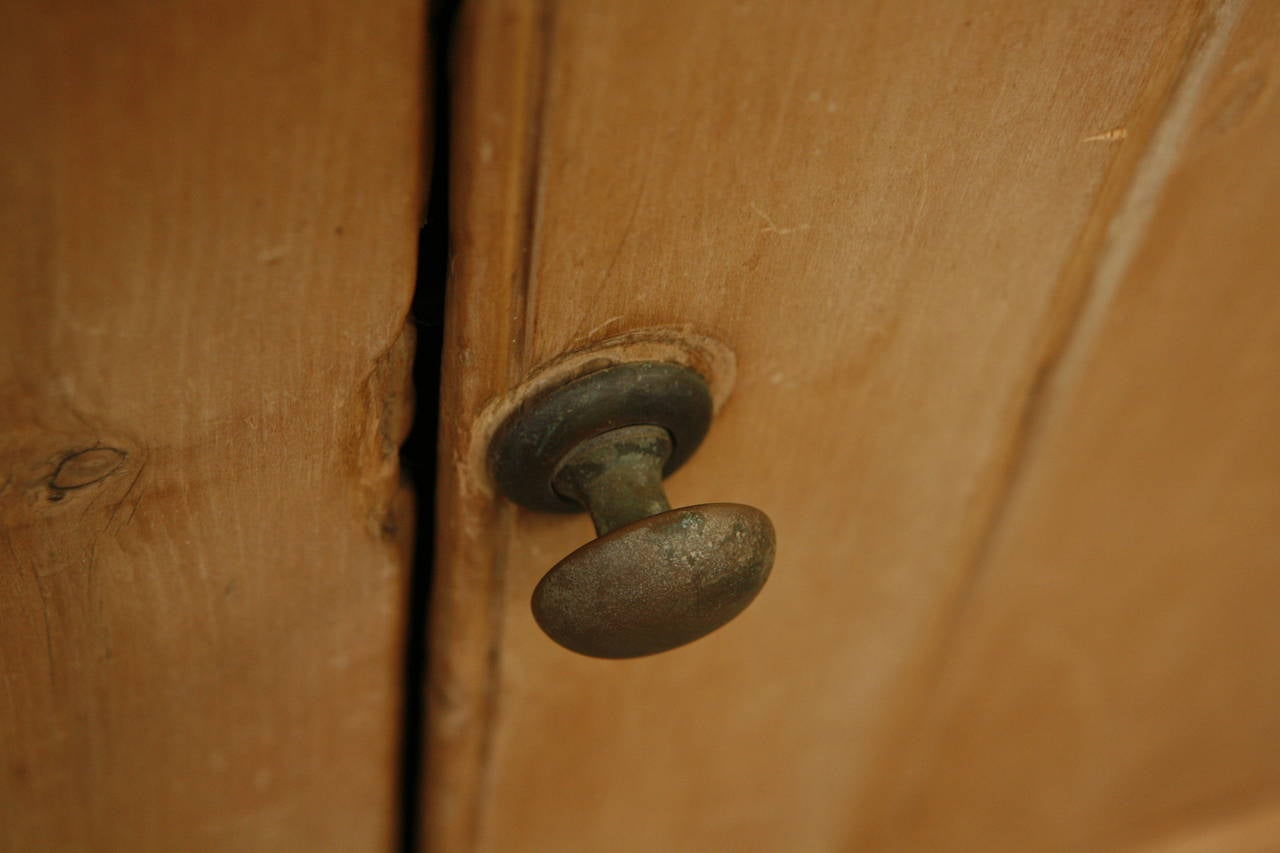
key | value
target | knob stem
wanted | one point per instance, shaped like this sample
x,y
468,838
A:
x,y
617,476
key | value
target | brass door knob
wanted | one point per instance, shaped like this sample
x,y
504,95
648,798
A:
x,y
656,578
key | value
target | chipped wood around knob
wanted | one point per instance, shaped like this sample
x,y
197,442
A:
x,y
210,215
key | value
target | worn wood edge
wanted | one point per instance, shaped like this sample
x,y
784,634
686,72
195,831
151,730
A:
x,y
1127,229
1115,226
387,391
895,767
1111,239
493,180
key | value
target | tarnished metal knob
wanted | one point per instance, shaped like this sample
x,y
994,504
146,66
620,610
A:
x,y
656,578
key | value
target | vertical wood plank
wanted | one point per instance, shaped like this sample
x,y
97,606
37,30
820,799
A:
x,y
495,111
210,215
889,212
1109,679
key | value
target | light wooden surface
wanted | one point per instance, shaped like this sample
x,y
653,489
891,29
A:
x,y
1108,680
210,214
493,116
939,238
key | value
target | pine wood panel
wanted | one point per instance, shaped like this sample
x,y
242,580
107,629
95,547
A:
x,y
891,214
210,215
490,159
1109,678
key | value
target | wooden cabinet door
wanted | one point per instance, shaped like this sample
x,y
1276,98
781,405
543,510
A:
x,y
989,294
210,216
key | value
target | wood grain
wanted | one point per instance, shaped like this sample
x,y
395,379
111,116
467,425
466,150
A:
x,y
210,216
894,215
1108,679
493,110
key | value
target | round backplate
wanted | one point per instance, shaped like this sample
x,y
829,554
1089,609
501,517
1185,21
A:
x,y
527,450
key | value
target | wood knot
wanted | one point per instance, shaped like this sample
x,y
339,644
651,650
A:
x,y
86,467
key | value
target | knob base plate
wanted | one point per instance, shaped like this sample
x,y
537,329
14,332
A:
x,y
529,448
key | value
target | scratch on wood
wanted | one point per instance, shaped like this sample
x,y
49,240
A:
x,y
600,328
1114,135
772,227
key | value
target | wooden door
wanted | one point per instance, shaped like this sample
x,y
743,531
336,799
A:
x,y
210,216
988,294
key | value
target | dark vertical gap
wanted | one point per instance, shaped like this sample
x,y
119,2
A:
x,y
418,454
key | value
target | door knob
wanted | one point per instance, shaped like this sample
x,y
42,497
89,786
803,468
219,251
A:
x,y
655,578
